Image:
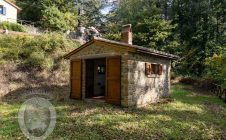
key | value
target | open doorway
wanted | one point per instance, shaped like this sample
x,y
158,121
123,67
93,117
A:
x,y
95,78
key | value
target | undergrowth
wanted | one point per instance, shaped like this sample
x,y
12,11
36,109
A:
x,y
35,52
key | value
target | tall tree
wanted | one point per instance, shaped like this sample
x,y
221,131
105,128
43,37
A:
x,y
32,9
57,15
150,28
200,25
89,12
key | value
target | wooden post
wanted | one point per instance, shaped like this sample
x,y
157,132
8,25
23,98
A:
x,y
224,93
219,91
213,88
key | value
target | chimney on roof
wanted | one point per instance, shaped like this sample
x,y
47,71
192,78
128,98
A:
x,y
126,35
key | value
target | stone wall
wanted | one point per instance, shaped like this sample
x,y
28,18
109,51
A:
x,y
142,89
99,51
136,88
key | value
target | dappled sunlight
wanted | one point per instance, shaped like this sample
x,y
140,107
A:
x,y
158,117
190,117
180,106
7,110
86,112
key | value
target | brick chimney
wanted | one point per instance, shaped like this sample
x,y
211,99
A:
x,y
126,35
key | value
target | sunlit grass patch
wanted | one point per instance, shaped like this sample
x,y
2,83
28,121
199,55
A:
x,y
186,117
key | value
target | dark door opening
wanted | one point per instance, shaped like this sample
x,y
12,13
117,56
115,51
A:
x,y
95,78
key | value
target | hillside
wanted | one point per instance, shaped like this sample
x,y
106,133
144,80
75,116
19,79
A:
x,y
34,63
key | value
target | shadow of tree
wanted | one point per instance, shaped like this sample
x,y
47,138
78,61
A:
x,y
53,92
110,122
188,116
17,79
189,95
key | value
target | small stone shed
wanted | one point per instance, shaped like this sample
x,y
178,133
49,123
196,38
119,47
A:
x,y
118,72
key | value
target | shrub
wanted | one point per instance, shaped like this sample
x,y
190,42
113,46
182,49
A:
x,y
36,59
216,68
12,26
115,37
39,52
55,20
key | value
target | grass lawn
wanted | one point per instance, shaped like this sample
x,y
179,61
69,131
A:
x,y
190,115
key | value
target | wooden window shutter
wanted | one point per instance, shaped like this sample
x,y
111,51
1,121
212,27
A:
x,y
148,69
113,80
4,11
76,76
160,69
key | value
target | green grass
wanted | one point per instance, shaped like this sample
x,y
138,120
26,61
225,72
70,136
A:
x,y
189,116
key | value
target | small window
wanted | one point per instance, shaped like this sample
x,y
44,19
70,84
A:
x,y
153,69
2,10
101,69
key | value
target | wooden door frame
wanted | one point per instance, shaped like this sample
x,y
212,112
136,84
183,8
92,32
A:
x,y
82,70
85,77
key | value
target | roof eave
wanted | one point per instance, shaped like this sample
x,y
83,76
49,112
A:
x,y
14,5
173,57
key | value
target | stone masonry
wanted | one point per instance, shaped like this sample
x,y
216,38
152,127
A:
x,y
136,88
143,90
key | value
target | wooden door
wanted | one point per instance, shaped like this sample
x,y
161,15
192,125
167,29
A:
x,y
113,80
76,76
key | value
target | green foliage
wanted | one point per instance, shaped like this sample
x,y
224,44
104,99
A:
x,y
201,27
36,59
57,15
149,28
136,11
110,36
194,30
54,20
91,14
12,26
153,32
215,68
32,9
39,52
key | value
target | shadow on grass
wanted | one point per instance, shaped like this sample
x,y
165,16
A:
x,y
189,95
187,117
53,92
153,122
136,125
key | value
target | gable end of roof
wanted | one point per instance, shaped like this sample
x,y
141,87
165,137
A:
x,y
138,49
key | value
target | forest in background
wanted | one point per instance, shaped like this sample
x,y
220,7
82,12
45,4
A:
x,y
194,30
